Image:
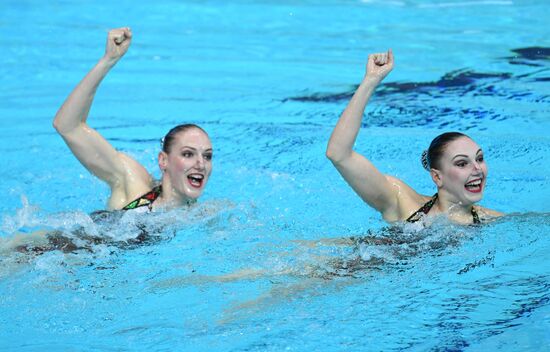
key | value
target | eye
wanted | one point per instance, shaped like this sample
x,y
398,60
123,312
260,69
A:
x,y
187,154
480,159
207,157
461,163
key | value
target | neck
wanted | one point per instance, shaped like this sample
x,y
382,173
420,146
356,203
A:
x,y
454,209
165,202
170,198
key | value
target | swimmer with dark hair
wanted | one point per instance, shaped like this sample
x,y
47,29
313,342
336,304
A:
x,y
185,159
455,162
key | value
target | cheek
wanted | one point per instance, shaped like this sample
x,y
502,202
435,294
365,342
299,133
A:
x,y
456,175
179,164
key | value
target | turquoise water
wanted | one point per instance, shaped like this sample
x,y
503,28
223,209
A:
x,y
268,81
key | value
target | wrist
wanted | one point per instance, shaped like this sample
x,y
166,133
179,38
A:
x,y
107,62
371,80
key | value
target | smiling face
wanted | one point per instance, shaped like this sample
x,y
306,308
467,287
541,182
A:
x,y
462,171
188,164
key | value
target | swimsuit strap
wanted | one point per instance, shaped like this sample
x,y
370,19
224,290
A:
x,y
425,209
145,200
475,216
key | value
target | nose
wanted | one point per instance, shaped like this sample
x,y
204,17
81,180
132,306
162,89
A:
x,y
477,167
200,163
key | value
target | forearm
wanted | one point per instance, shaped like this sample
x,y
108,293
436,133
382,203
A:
x,y
343,137
76,107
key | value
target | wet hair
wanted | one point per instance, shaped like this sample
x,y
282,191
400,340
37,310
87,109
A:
x,y
431,157
168,140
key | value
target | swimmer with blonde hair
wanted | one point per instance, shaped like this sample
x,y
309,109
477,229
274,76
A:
x,y
185,162
185,159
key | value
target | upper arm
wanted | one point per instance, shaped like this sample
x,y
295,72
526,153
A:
x,y
102,159
370,184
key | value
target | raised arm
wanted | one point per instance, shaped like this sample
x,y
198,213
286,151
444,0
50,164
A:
x,y
91,149
378,190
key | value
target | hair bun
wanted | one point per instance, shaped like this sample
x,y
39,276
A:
x,y
425,161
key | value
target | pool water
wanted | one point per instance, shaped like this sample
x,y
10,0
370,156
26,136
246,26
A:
x,y
264,261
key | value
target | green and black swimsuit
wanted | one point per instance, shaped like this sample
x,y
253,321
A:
x,y
145,200
425,209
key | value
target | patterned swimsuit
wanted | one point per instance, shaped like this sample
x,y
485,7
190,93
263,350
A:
x,y
145,200
425,209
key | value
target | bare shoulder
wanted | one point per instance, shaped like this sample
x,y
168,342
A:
x,y
488,213
408,200
135,182
134,171
404,191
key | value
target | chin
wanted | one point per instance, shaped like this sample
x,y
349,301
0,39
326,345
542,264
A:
x,y
474,198
192,194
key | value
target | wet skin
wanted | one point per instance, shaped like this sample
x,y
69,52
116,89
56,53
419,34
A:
x,y
463,172
187,166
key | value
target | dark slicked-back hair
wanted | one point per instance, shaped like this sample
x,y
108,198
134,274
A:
x,y
432,156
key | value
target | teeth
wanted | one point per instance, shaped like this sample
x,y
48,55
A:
x,y
474,183
196,179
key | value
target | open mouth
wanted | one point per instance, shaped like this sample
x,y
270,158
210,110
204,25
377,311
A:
x,y
196,180
473,186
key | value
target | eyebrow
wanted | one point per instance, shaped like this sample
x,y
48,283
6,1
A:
x,y
195,149
465,156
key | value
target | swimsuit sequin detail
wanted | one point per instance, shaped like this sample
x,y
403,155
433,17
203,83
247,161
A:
x,y
145,200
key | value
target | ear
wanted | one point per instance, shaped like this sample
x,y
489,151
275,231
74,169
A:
x,y
163,161
437,177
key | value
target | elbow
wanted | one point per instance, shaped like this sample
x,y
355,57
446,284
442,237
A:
x,y
334,155
62,127
57,122
330,154
56,126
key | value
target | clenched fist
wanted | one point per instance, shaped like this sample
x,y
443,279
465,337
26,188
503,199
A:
x,y
118,42
379,65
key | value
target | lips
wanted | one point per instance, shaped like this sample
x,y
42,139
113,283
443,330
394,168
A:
x,y
474,186
195,180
